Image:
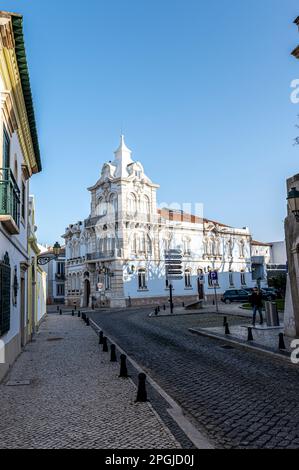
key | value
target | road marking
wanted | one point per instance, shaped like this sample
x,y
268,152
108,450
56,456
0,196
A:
x,y
175,411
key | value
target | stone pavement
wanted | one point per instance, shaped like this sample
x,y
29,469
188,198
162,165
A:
x,y
238,398
74,398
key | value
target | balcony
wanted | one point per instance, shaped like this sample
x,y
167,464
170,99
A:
x,y
92,257
9,201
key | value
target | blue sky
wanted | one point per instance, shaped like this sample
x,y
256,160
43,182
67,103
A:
x,y
201,89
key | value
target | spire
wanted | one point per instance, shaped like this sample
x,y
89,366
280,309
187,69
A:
x,y
122,158
123,150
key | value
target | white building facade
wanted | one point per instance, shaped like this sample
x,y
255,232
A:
x,y
19,160
116,256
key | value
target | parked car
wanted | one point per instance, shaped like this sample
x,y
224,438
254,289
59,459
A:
x,y
269,293
235,295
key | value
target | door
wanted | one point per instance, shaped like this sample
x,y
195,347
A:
x,y
86,292
22,320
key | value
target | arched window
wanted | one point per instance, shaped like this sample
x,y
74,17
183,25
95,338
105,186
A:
x,y
113,205
187,246
101,208
242,248
134,243
132,204
188,283
142,242
142,284
145,206
230,248
148,245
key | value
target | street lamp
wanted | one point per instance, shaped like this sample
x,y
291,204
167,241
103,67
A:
x,y
293,202
47,257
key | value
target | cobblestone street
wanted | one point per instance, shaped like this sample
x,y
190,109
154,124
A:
x,y
71,396
239,399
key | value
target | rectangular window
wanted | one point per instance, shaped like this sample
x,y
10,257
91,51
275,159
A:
x,y
188,279
5,294
60,290
23,206
6,149
60,268
142,280
243,279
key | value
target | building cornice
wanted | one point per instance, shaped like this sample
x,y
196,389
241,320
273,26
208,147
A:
x,y
14,70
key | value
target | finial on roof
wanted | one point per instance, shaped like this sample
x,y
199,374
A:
x,y
122,149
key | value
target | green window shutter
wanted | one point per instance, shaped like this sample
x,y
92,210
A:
x,y
5,294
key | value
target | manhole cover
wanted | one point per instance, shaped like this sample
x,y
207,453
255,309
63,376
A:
x,y
226,346
17,383
54,339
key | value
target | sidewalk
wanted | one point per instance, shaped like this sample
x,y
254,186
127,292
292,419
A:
x,y
70,396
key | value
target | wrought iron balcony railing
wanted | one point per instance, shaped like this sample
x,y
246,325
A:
x,y
9,201
100,255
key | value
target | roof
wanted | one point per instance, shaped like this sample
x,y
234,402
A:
x,y
181,216
17,25
256,243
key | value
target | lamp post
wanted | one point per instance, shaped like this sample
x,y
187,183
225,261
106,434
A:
x,y
44,259
293,202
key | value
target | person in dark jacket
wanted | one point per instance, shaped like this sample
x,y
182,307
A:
x,y
256,300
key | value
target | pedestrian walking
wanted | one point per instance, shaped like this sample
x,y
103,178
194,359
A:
x,y
256,300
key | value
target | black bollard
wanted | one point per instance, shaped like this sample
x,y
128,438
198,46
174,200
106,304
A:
x,y
156,311
123,366
58,308
158,308
227,332
164,307
141,392
113,357
224,321
60,312
79,314
250,337
101,336
87,321
183,304
281,342
105,344
73,313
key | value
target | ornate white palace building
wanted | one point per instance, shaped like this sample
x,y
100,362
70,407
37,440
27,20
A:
x,y
116,256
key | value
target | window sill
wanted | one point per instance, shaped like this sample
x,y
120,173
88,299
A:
x,y
143,290
188,288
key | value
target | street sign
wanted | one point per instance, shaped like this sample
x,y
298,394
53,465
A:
x,y
174,272
173,261
173,252
171,257
175,278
